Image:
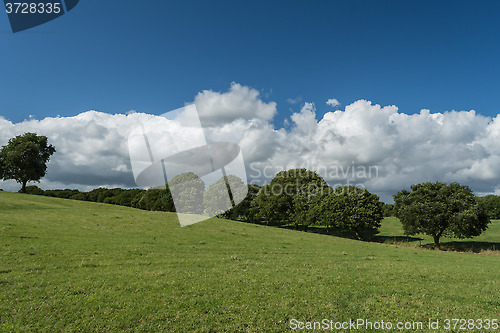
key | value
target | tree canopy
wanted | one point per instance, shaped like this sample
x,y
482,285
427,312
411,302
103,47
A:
x,y
347,208
25,158
491,204
287,196
224,194
439,209
187,193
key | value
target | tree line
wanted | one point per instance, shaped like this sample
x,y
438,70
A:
x,y
299,197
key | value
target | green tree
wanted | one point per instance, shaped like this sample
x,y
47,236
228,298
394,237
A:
x,y
243,211
347,208
286,198
216,198
25,158
187,191
387,209
64,194
439,209
79,196
33,189
491,204
156,199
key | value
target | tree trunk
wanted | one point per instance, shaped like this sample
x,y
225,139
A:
x,y
296,226
436,240
305,228
23,188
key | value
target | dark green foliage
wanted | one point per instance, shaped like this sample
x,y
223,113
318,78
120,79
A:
x,y
347,208
126,197
111,196
33,189
80,196
187,190
491,204
97,195
301,208
104,195
157,199
439,209
63,194
387,209
25,158
118,196
287,197
243,210
153,199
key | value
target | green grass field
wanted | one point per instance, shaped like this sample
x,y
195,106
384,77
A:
x,y
76,266
391,231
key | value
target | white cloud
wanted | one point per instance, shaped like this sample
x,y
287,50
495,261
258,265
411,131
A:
x,y
91,148
333,102
294,100
305,120
398,149
240,102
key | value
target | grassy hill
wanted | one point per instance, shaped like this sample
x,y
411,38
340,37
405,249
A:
x,y
72,265
391,231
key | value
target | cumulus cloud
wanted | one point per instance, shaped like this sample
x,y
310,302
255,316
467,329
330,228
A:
x,y
399,149
91,148
333,102
366,144
240,102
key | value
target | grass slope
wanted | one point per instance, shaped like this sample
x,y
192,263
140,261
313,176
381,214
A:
x,y
71,265
391,231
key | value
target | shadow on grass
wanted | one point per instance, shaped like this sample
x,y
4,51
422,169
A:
x,y
344,233
371,236
466,246
395,239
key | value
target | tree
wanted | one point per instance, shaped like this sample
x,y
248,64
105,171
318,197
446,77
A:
x,y
491,204
387,209
187,192
25,158
347,208
155,199
286,199
216,197
439,209
64,194
243,211
33,189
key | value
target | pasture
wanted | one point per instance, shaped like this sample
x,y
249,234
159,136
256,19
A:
x,y
76,266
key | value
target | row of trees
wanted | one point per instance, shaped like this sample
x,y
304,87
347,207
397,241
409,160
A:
x,y
153,199
296,197
301,197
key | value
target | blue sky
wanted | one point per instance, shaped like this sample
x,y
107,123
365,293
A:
x,y
114,56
